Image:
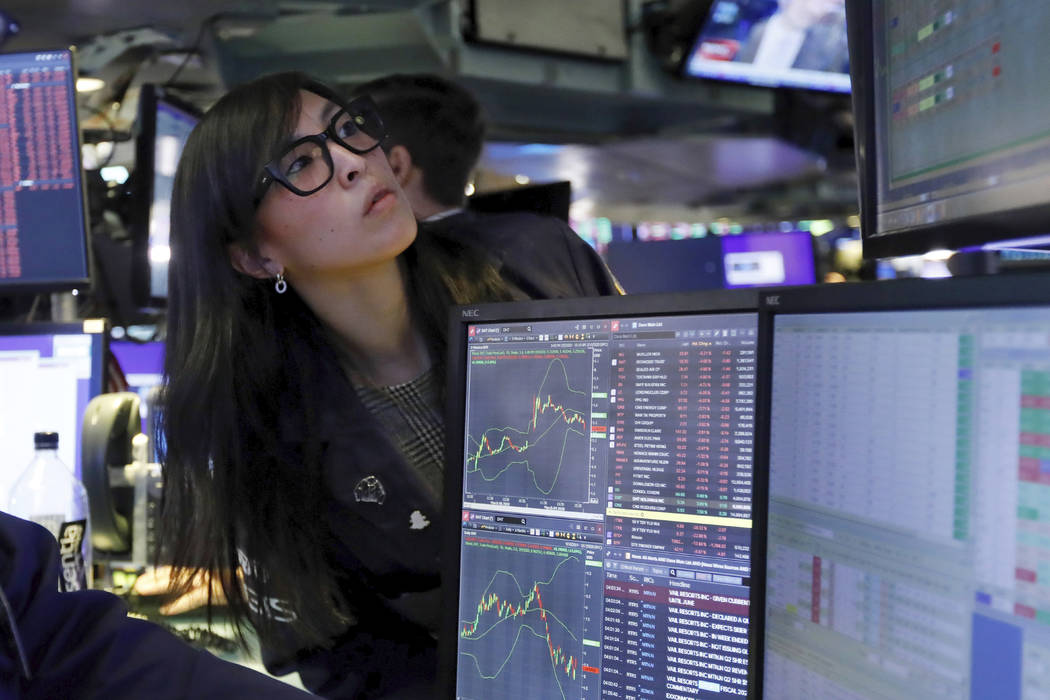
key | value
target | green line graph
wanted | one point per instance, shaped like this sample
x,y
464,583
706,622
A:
x,y
517,637
529,432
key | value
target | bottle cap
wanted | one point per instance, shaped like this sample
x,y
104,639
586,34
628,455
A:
x,y
45,440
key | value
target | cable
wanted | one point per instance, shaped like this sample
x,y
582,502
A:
x,y
193,50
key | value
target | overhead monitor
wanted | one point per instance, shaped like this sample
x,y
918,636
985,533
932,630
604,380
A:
x,y
165,124
600,460
768,259
909,482
774,43
43,220
48,372
953,132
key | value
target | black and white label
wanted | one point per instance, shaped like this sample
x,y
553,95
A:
x,y
70,544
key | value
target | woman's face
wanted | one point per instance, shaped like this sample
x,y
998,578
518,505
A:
x,y
359,220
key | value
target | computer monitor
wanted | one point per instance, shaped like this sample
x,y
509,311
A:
x,y
953,142
143,367
49,372
712,261
768,259
775,43
546,199
165,124
909,475
43,219
600,460
653,266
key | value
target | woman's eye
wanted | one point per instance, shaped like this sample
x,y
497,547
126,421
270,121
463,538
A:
x,y
298,165
345,127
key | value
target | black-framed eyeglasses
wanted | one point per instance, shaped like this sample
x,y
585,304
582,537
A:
x,y
305,165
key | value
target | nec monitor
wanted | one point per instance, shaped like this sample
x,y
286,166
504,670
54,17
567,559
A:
x,y
774,43
165,124
600,463
48,373
952,134
909,483
43,220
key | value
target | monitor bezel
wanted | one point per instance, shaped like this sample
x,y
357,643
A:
x,y
907,294
951,235
150,98
86,283
716,301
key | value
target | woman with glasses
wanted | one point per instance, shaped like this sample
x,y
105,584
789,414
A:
x,y
302,411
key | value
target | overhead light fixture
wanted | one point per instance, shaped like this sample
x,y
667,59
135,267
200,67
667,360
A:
x,y
90,84
115,173
821,226
521,179
938,255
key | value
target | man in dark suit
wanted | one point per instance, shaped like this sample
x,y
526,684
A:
x,y
435,133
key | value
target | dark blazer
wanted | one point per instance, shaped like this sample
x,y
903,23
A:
x,y
540,255
391,650
83,644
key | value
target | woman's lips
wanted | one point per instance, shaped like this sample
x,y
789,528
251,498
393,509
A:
x,y
381,201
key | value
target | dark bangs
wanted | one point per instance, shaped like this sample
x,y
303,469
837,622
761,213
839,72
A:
x,y
246,129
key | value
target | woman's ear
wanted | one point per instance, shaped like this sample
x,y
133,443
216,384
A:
x,y
400,163
251,264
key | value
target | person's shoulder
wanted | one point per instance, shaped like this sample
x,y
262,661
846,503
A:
x,y
24,546
506,234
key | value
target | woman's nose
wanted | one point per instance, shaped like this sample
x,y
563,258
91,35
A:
x,y
345,164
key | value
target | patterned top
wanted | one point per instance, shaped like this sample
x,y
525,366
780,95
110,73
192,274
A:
x,y
412,414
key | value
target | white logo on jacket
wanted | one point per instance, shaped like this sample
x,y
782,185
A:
x,y
417,521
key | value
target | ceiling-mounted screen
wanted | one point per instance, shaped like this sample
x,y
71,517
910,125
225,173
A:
x,y
775,43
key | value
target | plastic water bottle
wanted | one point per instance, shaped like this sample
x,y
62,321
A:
x,y
49,494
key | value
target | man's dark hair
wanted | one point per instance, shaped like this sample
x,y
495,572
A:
x,y
438,122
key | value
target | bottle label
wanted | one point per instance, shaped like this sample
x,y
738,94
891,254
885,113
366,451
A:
x,y
53,523
70,545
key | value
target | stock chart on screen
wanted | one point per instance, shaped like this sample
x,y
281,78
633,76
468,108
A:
x,y
908,527
606,522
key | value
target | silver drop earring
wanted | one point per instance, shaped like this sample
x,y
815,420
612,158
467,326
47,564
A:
x,y
280,286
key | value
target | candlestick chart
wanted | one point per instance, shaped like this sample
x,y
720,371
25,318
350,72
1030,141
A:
x,y
528,428
520,630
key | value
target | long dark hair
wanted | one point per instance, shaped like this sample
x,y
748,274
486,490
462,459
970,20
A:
x,y
239,356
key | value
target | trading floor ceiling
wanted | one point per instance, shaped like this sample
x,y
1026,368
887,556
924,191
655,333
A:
x,y
659,140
